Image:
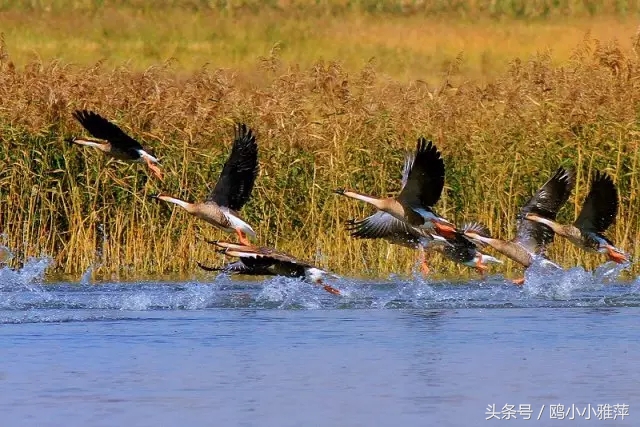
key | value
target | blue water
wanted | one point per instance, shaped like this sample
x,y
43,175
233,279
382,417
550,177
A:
x,y
402,352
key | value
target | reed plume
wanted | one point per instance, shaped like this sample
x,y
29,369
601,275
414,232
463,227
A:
x,y
318,128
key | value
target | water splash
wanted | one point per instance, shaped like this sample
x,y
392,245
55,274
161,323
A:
x,y
86,278
288,293
25,298
31,272
610,271
409,292
541,280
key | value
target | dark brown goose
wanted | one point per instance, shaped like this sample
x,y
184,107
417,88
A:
x,y
232,191
263,261
118,144
598,212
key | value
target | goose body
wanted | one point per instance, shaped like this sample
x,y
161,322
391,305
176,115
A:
x,y
463,250
221,217
232,190
415,223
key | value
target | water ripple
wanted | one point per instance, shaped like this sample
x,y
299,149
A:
x,y
25,298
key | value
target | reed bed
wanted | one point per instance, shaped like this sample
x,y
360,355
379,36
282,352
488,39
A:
x,y
319,128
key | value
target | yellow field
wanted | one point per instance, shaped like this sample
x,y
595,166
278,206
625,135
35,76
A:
x,y
320,125
419,43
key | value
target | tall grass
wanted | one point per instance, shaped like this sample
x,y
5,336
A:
x,y
318,128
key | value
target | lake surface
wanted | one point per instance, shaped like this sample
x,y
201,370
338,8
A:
x,y
401,352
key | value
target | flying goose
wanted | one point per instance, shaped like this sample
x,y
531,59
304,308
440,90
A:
x,y
232,190
422,184
263,261
532,238
463,250
457,248
118,144
598,212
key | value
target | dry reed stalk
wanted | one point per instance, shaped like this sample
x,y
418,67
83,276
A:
x,y
318,129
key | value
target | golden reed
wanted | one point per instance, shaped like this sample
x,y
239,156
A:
x,y
318,129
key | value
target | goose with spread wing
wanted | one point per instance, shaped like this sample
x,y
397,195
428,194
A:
x,y
263,261
422,184
463,250
117,145
232,190
457,248
532,238
598,212
382,225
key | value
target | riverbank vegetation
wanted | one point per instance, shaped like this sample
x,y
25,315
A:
x,y
321,125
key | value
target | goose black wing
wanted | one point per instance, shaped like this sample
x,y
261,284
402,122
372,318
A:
x,y
476,227
278,263
101,128
423,177
600,208
460,248
239,173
